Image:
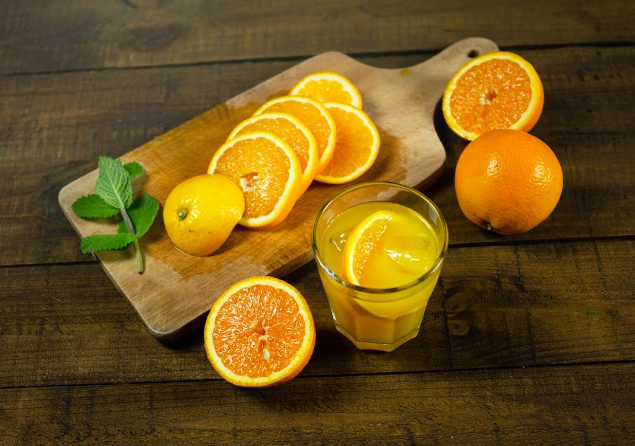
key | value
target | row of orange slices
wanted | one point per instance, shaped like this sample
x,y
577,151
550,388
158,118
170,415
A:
x,y
317,132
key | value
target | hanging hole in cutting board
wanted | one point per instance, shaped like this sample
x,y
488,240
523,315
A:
x,y
472,54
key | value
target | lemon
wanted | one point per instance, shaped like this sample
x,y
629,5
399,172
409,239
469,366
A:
x,y
201,212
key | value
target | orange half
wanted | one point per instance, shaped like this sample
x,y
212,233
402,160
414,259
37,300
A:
x,y
499,90
356,148
267,171
260,332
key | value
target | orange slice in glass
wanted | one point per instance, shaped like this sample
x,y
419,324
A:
x,y
499,90
267,171
314,116
260,332
357,144
328,86
362,244
292,131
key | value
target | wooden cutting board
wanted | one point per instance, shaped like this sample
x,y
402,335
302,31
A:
x,y
176,291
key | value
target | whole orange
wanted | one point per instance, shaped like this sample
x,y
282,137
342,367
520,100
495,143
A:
x,y
508,181
201,212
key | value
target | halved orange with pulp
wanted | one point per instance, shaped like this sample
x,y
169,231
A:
x,y
260,332
499,90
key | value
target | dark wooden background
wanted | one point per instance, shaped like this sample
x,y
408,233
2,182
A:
x,y
527,339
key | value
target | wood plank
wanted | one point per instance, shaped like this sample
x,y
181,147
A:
x,y
495,306
67,35
592,404
55,126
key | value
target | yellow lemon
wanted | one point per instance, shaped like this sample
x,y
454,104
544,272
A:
x,y
200,213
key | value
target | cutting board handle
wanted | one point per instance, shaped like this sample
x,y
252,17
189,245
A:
x,y
448,61
429,79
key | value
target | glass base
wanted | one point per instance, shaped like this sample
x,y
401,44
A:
x,y
377,346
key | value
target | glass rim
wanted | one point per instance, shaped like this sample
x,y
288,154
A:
x,y
345,283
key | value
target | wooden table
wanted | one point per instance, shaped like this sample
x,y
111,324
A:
x,y
527,339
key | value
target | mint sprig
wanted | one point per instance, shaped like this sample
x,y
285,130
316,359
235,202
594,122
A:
x,y
114,196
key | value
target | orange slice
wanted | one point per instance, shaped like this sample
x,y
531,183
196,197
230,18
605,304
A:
x,y
356,148
328,86
499,90
292,131
260,332
267,171
314,116
362,243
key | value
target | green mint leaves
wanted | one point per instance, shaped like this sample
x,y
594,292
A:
x,y
134,169
92,206
114,196
105,242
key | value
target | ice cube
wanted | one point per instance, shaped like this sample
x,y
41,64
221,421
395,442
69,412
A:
x,y
339,241
410,252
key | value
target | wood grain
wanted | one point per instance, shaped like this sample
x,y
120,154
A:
x,y
40,35
592,404
495,306
70,119
176,290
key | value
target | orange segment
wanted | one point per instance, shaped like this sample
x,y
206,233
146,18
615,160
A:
x,y
357,144
260,332
292,131
314,116
499,90
328,86
267,171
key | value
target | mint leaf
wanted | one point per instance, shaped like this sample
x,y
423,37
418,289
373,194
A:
x,y
134,169
113,184
106,242
92,206
142,213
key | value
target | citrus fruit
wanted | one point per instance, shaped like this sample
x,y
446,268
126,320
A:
x,y
328,86
266,170
260,332
200,213
357,144
293,132
314,116
508,181
499,90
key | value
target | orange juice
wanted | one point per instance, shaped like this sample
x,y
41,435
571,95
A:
x,y
383,307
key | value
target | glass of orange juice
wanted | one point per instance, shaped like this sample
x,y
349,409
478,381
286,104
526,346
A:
x,y
379,248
